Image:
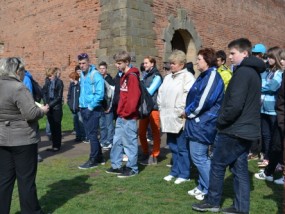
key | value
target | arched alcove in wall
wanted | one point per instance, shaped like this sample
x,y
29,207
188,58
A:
x,y
181,34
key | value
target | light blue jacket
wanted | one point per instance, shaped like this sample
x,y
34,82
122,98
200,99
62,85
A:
x,y
91,89
271,82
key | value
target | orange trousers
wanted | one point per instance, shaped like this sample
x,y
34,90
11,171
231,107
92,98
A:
x,y
154,122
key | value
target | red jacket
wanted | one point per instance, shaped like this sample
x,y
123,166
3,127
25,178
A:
x,y
129,95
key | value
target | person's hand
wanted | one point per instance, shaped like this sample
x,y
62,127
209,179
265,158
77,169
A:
x,y
107,111
45,108
183,115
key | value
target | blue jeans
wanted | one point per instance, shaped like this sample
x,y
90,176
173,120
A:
x,y
180,155
125,141
233,152
91,124
199,156
78,126
107,128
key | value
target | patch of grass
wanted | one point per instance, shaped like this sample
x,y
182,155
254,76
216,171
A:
x,y
62,188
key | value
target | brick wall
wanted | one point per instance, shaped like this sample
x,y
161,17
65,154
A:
x,y
220,21
52,32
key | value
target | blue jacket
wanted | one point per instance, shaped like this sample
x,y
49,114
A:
x,y
202,107
27,81
91,89
271,82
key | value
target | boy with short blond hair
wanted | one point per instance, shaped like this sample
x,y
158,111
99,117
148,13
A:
x,y
125,138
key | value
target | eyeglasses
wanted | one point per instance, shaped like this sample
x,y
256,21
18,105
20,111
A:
x,y
83,56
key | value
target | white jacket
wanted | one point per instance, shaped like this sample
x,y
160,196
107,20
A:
x,y
171,100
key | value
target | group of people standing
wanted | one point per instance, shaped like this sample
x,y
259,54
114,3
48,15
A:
x,y
210,121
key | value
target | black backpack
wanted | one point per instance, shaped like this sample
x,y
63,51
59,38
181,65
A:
x,y
146,101
37,91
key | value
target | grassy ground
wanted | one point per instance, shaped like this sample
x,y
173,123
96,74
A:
x,y
64,189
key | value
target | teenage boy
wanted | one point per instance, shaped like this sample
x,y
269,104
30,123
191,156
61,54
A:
x,y
238,126
106,120
125,138
223,70
90,99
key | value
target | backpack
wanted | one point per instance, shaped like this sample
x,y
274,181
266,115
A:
x,y
146,102
37,91
108,93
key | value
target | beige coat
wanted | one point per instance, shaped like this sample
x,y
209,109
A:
x,y
171,100
18,114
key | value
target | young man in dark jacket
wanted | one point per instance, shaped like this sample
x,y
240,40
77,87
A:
x,y
238,126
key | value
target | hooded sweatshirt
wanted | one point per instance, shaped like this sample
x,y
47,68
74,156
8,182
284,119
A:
x,y
129,95
240,112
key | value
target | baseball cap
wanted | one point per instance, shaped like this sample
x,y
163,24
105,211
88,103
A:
x,y
259,48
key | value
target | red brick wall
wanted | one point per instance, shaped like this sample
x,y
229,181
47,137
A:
x,y
52,32
220,21
49,32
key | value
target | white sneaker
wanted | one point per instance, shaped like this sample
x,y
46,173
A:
x,y
194,192
181,180
168,178
261,176
200,197
125,158
280,181
107,147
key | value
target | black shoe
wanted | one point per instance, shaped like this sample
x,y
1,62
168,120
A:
x,y
150,161
205,207
101,161
53,149
89,164
77,140
114,171
232,210
127,173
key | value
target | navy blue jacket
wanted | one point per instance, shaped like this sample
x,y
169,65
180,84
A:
x,y
202,107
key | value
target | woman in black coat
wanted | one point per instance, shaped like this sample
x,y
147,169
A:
x,y
52,95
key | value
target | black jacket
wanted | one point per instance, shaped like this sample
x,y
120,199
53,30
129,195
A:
x,y
73,97
147,79
240,112
56,102
116,98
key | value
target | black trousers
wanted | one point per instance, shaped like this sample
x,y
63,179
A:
x,y
275,152
54,119
19,162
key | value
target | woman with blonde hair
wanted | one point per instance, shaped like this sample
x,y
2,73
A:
x,y
171,102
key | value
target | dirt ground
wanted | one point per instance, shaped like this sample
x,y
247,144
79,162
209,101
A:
x,y
72,149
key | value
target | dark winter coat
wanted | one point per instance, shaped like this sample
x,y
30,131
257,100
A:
x,y
240,112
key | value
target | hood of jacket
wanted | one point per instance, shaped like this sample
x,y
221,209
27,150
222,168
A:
x,y
28,74
257,64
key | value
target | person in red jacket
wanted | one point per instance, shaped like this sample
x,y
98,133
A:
x,y
125,138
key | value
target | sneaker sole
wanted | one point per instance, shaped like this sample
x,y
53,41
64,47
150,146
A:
x,y
92,167
114,173
214,210
126,176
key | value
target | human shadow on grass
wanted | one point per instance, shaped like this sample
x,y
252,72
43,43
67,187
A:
x,y
62,191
